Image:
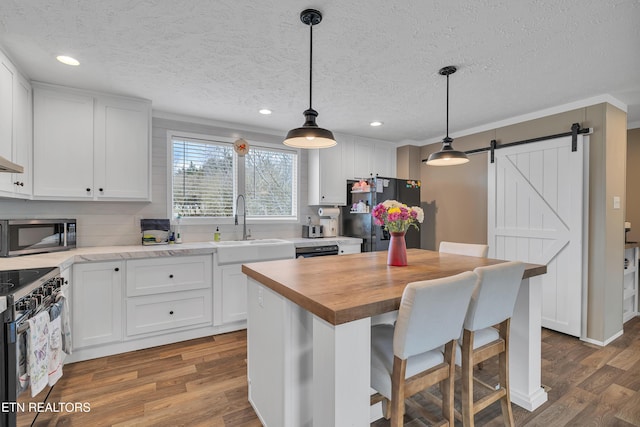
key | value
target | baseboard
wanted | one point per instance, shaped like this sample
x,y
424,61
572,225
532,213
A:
x,y
530,402
603,343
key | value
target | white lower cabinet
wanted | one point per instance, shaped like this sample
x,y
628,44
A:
x,y
163,312
232,305
151,276
97,303
168,293
121,306
348,248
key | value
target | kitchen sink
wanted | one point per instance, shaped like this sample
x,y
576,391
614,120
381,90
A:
x,y
242,251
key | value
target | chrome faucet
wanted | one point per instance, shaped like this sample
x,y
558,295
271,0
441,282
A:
x,y
244,215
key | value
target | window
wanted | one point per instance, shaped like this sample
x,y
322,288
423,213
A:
x,y
271,182
203,180
207,175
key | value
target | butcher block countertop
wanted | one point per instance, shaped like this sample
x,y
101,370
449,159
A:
x,y
340,289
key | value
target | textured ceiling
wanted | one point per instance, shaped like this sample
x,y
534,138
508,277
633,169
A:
x,y
373,60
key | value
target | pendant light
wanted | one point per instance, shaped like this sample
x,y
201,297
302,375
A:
x,y
447,156
310,135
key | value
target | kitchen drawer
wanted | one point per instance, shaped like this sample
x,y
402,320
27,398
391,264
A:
x,y
162,312
168,274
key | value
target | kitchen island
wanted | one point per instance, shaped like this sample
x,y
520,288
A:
x,y
309,326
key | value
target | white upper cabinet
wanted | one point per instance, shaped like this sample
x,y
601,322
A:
x,y
63,144
326,181
15,129
384,160
122,148
90,146
6,108
22,137
353,157
366,157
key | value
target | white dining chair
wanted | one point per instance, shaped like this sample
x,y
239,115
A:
x,y
469,249
408,358
486,334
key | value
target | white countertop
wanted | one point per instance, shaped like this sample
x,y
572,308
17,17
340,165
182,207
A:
x,y
65,259
302,242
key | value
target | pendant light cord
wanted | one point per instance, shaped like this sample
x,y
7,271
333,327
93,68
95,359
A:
x,y
310,62
447,106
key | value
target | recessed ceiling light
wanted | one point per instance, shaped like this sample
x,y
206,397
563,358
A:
x,y
265,111
375,123
68,60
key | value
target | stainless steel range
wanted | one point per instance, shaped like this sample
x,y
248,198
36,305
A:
x,y
28,292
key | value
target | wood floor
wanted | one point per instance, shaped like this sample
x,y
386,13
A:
x,y
203,383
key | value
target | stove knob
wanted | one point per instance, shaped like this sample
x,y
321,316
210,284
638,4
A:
x,y
25,303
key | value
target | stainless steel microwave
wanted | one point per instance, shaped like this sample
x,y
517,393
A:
x,y
33,236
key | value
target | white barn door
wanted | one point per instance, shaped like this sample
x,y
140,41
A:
x,y
535,214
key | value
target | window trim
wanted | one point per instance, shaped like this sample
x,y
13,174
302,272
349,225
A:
x,y
239,179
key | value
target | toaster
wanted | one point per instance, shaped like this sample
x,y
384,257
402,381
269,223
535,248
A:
x,y
311,231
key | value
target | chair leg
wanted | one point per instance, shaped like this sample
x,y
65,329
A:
x,y
447,385
467,379
503,366
386,408
397,392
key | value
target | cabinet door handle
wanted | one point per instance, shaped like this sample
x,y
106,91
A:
x,y
101,190
116,269
171,312
171,276
88,190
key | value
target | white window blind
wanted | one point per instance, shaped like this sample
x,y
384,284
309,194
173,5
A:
x,y
271,183
203,178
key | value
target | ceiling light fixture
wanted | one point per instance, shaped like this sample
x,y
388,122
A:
x,y
375,124
310,135
68,60
265,111
447,156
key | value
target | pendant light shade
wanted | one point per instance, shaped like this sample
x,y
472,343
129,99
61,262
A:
x,y
447,156
310,135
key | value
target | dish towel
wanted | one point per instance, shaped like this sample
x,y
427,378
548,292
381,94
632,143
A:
x,y
38,352
65,321
56,355
23,369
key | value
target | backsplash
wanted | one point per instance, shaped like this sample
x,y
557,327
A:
x,y
118,223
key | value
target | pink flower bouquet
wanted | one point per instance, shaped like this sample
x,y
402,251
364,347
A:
x,y
397,217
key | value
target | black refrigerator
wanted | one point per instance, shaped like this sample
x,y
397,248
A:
x,y
356,216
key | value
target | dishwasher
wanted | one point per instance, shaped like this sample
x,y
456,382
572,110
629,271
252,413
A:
x,y
313,251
